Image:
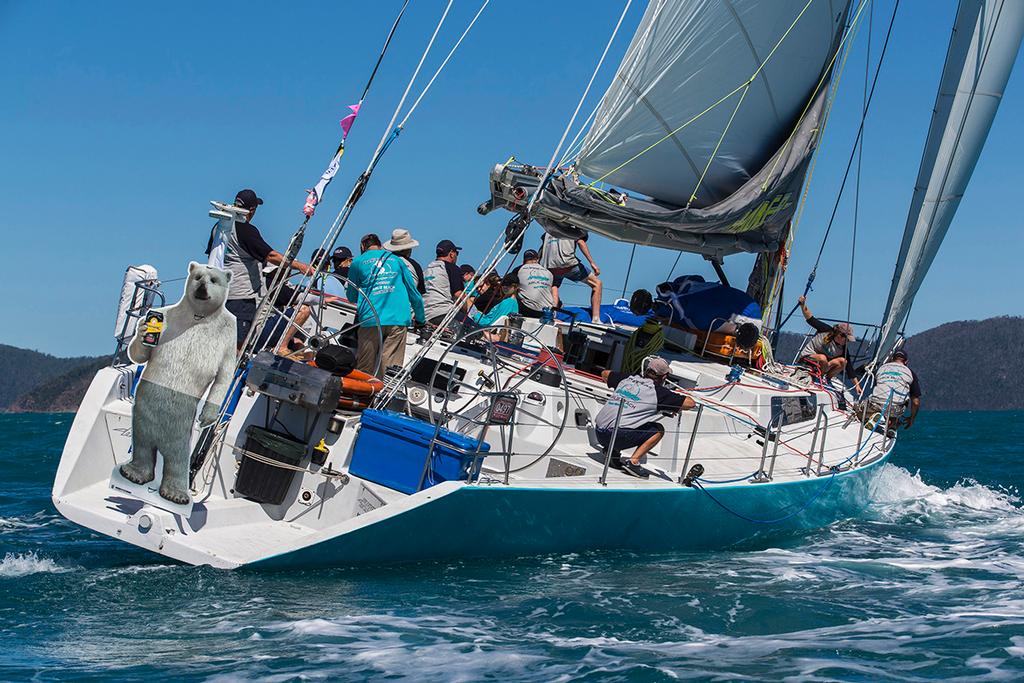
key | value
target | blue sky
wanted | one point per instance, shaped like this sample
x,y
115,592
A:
x,y
120,120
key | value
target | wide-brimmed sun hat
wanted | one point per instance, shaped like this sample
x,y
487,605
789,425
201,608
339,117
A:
x,y
400,240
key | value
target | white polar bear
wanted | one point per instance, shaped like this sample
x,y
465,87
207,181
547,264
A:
x,y
195,352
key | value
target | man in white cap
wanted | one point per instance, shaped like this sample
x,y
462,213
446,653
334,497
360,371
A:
x,y
643,397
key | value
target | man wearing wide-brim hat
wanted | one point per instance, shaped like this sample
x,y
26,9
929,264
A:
x,y
402,244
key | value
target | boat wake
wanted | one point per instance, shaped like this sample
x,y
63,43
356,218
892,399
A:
x,y
23,564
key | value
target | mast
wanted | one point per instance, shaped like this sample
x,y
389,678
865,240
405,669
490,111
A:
x,y
986,37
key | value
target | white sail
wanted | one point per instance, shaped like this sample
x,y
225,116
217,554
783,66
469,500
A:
x,y
685,56
986,37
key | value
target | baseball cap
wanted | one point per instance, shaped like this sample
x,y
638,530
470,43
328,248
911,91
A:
x,y
341,253
657,365
247,199
900,353
317,255
530,254
845,329
445,246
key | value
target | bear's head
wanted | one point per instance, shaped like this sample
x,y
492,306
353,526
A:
x,y
206,288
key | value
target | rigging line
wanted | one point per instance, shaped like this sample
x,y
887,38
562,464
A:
x,y
849,163
506,242
572,119
629,269
860,133
714,152
390,133
860,159
673,268
725,97
443,63
854,27
380,57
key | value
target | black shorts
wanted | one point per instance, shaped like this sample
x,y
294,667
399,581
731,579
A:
x,y
529,312
630,437
577,273
244,311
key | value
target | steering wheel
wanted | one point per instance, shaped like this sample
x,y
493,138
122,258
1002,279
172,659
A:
x,y
509,392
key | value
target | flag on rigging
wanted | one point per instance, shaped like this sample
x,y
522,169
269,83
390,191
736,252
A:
x,y
317,193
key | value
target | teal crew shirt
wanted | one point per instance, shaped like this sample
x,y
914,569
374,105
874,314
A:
x,y
506,306
388,285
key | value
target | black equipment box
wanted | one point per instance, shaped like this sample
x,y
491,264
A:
x,y
292,382
262,482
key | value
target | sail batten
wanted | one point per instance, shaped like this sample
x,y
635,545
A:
x,y
986,38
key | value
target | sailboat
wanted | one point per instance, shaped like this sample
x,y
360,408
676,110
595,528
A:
x,y
484,444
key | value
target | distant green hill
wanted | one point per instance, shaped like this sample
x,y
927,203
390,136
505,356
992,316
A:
x,y
964,365
22,370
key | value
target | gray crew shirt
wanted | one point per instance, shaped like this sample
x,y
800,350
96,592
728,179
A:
x,y
535,287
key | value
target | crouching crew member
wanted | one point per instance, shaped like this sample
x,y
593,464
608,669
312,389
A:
x,y
643,398
895,385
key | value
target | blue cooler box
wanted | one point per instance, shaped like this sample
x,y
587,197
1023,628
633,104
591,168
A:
x,y
391,449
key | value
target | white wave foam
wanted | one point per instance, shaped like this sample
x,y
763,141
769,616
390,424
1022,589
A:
x,y
895,490
14,565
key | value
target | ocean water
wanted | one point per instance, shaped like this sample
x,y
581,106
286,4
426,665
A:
x,y
927,584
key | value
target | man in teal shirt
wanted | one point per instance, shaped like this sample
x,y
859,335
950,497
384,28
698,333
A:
x,y
389,290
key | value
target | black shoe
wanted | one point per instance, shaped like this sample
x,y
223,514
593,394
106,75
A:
x,y
615,462
634,470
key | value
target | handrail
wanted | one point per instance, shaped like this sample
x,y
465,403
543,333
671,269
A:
x,y
761,476
150,286
611,445
689,447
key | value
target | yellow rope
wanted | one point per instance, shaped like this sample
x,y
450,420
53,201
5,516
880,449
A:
x,y
714,152
854,28
735,90
824,76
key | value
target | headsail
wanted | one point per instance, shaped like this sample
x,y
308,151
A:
x,y
713,114
986,37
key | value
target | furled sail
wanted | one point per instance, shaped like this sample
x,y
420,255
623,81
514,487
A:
x,y
712,115
986,37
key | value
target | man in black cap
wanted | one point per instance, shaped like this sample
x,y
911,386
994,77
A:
x,y
444,283
247,252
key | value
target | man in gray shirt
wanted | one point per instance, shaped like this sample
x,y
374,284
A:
x,y
443,281
246,254
535,286
640,398
558,254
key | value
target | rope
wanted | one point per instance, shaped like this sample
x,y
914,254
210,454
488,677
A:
x,y
443,63
849,163
777,520
722,99
504,240
714,152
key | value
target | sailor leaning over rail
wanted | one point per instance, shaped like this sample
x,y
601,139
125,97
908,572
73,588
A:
x,y
388,283
894,379
642,397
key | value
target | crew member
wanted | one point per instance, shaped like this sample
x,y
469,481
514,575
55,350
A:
x,y
536,286
444,283
897,386
246,254
827,351
558,254
643,397
389,289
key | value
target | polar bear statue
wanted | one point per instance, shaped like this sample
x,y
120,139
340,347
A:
x,y
194,356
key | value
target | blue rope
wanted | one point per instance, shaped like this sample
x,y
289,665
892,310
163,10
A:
x,y
796,512
724,481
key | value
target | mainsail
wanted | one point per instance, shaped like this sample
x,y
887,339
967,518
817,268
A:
x,y
713,115
986,37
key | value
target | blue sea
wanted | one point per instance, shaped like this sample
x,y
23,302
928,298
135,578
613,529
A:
x,y
927,584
